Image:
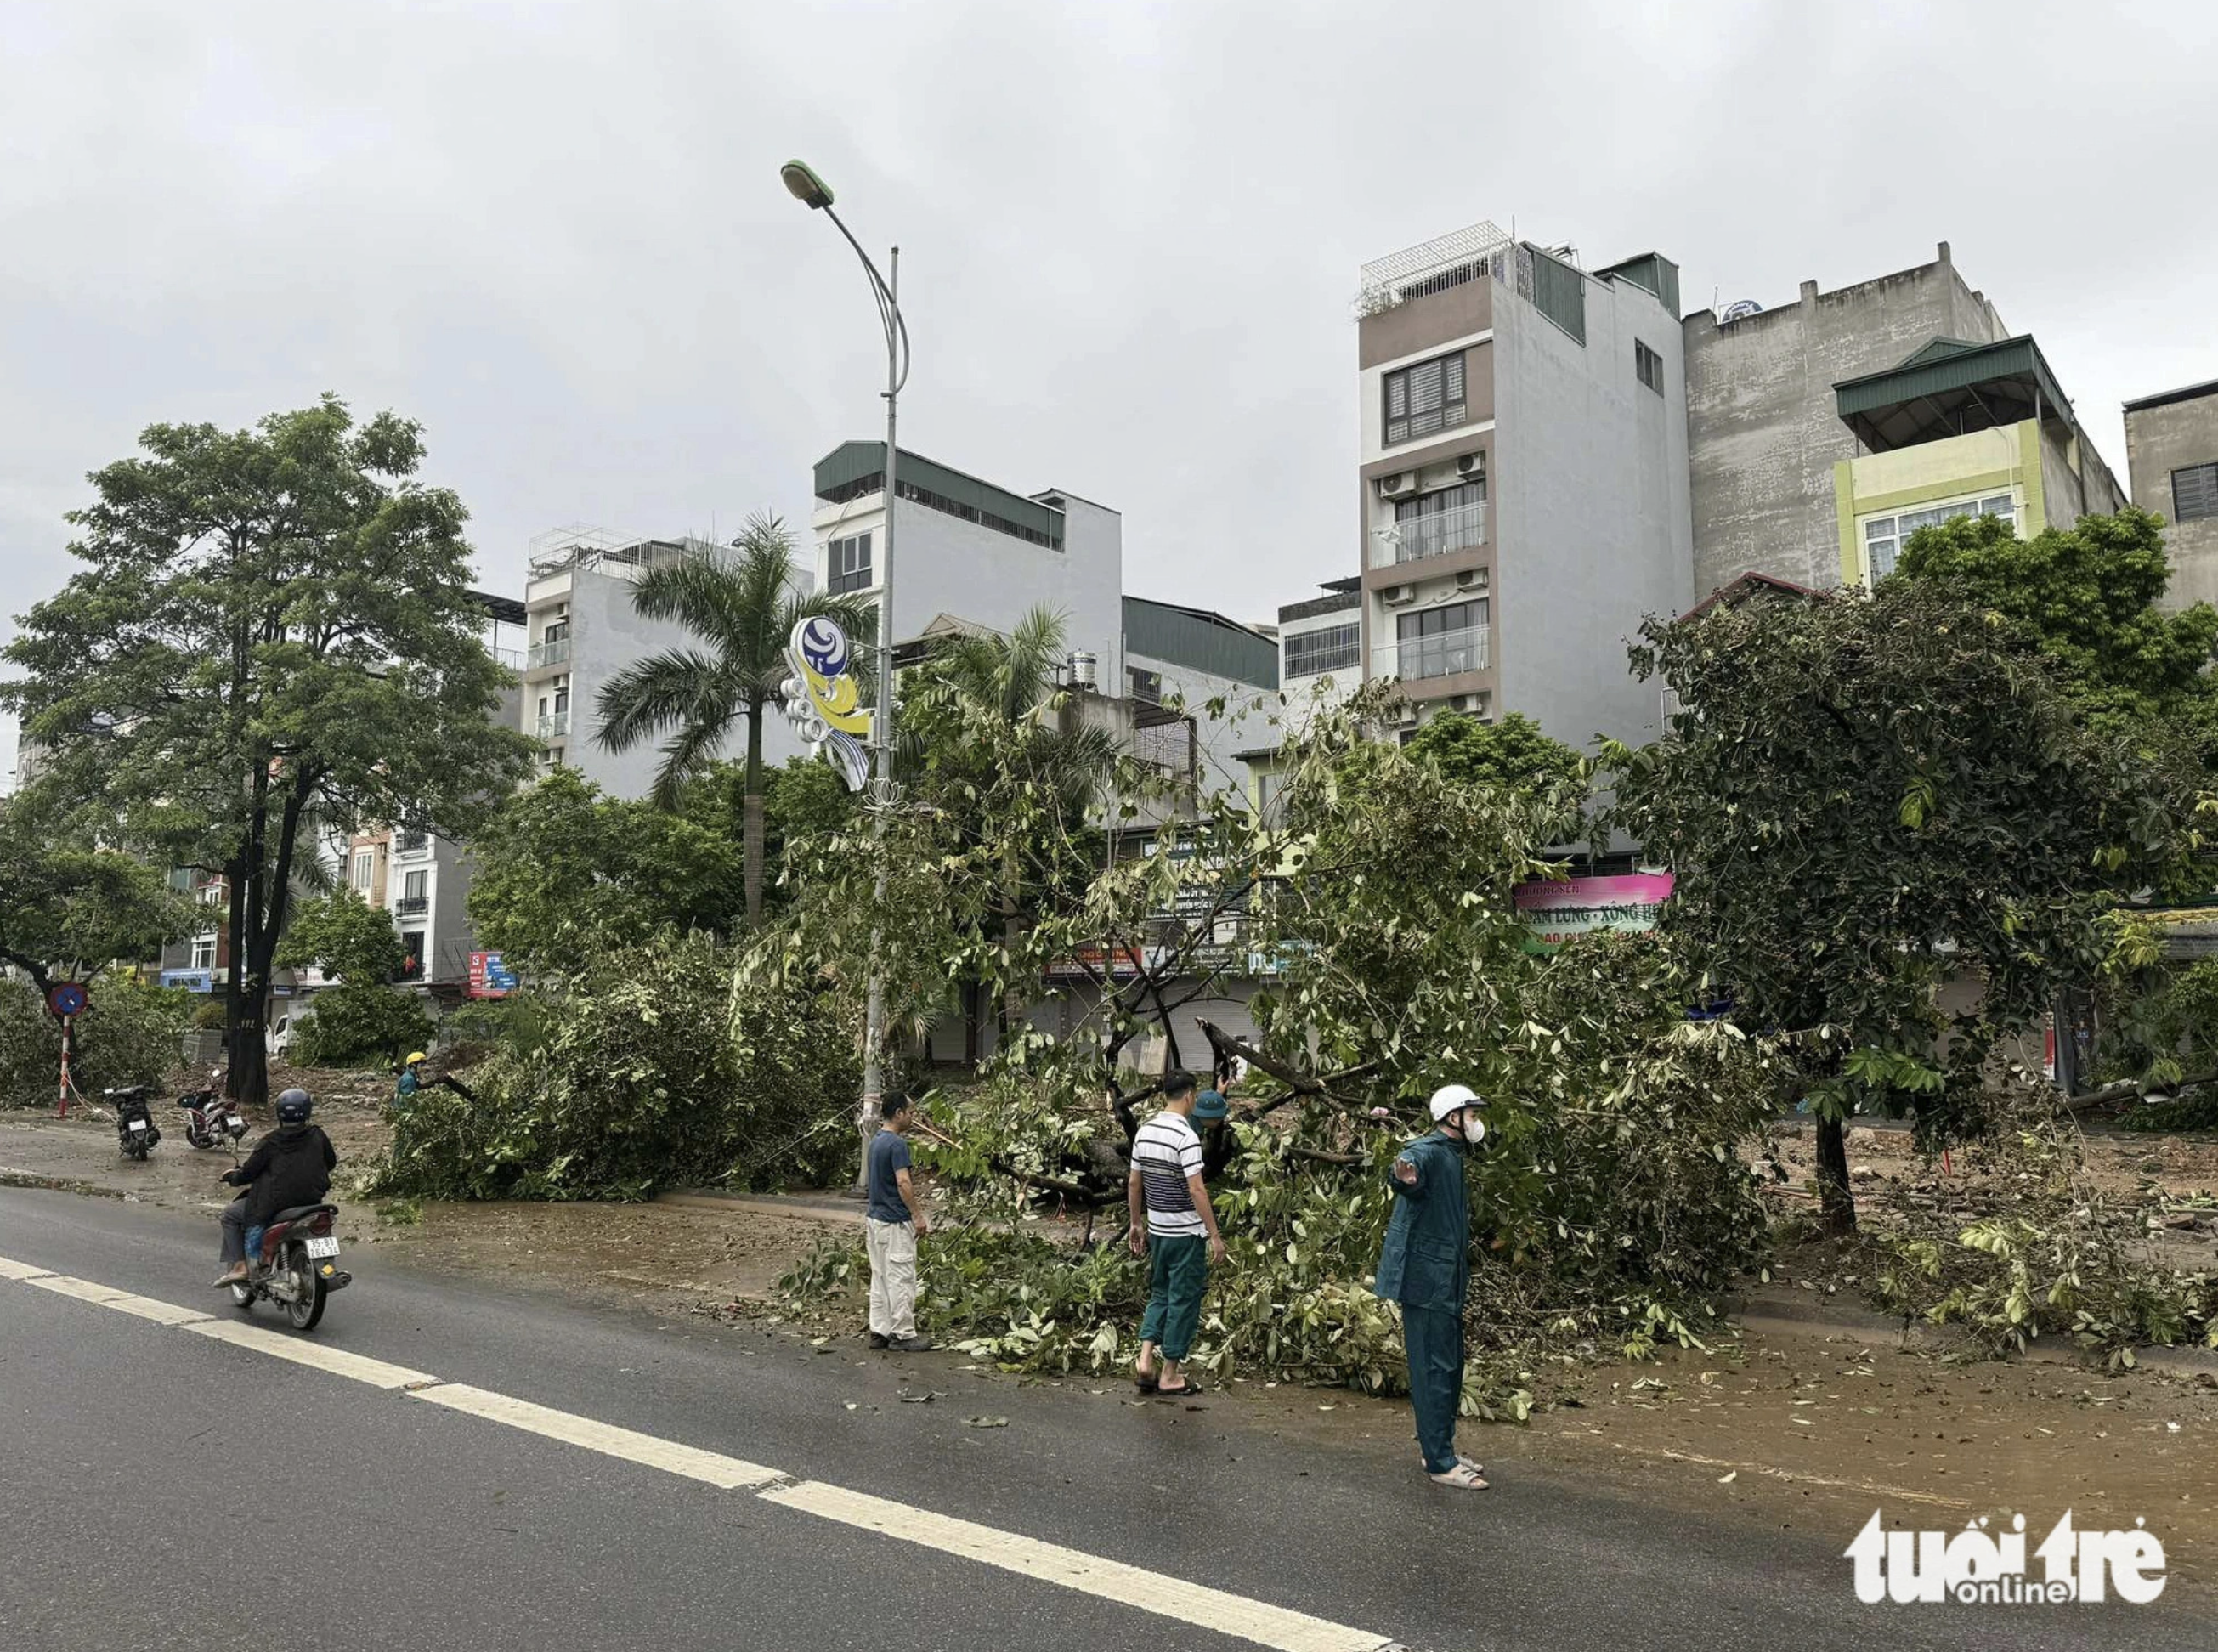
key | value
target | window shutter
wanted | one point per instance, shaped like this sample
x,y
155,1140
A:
x,y
2195,492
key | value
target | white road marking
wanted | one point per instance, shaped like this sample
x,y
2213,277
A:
x,y
690,1460
336,1361
1236,1616
1071,1568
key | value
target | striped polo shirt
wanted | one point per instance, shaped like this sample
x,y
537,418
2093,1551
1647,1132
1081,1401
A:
x,y
1165,1153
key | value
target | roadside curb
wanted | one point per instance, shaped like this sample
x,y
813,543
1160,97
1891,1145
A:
x,y
1778,1314
61,1185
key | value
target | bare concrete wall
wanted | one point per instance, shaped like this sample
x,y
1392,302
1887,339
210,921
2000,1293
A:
x,y
2159,441
1762,434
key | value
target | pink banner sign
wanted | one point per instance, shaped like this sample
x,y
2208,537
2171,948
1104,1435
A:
x,y
1558,913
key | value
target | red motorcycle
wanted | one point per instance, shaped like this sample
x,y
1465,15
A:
x,y
298,1267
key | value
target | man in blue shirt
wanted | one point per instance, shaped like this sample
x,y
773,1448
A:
x,y
1425,1265
894,1221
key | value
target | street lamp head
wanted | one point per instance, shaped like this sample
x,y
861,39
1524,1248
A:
x,y
803,184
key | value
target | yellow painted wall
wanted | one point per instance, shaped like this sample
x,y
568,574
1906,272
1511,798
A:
x,y
1982,461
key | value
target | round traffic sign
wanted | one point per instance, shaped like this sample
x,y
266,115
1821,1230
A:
x,y
67,998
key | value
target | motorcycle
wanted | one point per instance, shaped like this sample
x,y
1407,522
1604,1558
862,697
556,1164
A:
x,y
298,1267
135,1132
211,1115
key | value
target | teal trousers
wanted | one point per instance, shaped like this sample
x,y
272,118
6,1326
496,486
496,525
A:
x,y
1434,1337
1178,1272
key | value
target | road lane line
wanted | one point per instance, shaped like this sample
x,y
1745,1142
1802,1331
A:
x,y
357,1367
1132,1586
1236,1616
107,1297
692,1463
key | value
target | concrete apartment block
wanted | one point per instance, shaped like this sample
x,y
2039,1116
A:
x,y
1522,480
1763,431
2172,456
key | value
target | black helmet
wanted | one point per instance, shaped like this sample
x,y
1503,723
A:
x,y
293,1106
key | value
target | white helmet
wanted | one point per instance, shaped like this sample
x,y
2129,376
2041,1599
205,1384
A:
x,y
1453,1098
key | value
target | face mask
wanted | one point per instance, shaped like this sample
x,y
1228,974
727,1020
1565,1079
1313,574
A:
x,y
1474,1129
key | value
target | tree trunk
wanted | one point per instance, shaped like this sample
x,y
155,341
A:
x,y
234,985
1837,1202
750,816
1014,999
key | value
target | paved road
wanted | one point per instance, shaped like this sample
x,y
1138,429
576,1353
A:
x,y
139,1459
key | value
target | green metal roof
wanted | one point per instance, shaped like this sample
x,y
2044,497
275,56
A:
x,y
1653,272
1949,388
854,467
1198,638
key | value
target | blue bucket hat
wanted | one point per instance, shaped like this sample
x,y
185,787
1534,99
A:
x,y
1209,1104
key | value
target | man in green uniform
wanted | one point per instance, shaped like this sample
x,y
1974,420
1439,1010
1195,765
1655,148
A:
x,y
1425,1265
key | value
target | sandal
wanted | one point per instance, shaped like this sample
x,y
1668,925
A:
x,y
1463,1477
1185,1388
1144,1381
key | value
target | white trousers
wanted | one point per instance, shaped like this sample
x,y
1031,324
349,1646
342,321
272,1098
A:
x,y
892,1246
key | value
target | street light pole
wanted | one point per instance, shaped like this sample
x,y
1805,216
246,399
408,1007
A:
x,y
805,186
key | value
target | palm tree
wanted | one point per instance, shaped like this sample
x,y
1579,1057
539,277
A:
x,y
1011,680
742,608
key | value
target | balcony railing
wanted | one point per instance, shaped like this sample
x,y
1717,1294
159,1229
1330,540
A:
x,y
411,843
508,658
409,904
553,726
1436,533
1445,654
552,652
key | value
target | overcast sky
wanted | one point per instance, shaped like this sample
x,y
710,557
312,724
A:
x,y
555,233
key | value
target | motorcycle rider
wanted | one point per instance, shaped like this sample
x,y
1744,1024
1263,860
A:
x,y
289,1166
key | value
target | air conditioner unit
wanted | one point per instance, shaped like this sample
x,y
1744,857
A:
x,y
1470,578
1472,705
1472,464
1397,483
1405,715
1399,595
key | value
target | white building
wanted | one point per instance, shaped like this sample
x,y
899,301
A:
x,y
971,554
581,630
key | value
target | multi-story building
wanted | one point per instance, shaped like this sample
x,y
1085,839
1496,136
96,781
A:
x,y
1522,481
969,554
1764,429
1201,684
1959,429
2172,457
581,630
1321,648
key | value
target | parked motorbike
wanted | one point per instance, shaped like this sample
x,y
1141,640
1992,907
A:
x,y
298,1267
134,1130
211,1117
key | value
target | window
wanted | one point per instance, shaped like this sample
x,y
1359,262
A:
x,y
1331,648
2195,492
1885,536
850,564
414,885
1648,367
1441,642
204,952
411,965
365,863
556,631
1426,398
1433,524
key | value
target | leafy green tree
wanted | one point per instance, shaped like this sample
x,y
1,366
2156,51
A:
x,y
564,873
346,938
273,634
1864,797
2087,596
1514,755
804,799
987,735
743,610
68,908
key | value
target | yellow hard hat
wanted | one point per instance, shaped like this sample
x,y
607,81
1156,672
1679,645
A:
x,y
414,1056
